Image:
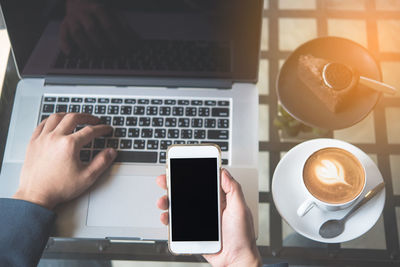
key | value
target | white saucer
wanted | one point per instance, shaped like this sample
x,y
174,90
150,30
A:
x,y
288,193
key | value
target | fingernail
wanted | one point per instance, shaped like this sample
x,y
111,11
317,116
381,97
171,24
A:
x,y
112,153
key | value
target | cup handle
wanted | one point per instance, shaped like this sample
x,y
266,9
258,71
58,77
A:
x,y
305,207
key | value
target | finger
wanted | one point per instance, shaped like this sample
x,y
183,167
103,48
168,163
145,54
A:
x,y
164,218
162,181
72,120
230,186
52,122
88,133
38,129
99,164
162,203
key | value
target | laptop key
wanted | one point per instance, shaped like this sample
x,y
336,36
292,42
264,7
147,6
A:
x,y
125,144
177,111
103,100
225,162
223,103
220,112
183,122
223,123
144,101
130,101
179,142
113,110
100,109
173,133
164,144
209,123
61,108
162,157
44,117
160,133
192,142
186,133
133,132
112,143
183,102
99,143
126,110
218,134
87,109
120,132
49,99
48,108
63,99
151,110
131,121
118,121
76,100
90,100
152,144
89,145
105,120
190,111
165,111
170,122
170,102
199,134
147,133
138,144
84,155
157,122
197,123
136,156
144,121
138,110
156,101
74,108
116,100
204,112
222,145
210,103
196,102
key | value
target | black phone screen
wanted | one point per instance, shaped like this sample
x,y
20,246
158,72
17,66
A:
x,y
194,199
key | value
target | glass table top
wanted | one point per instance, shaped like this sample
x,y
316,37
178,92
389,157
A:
x,y
375,24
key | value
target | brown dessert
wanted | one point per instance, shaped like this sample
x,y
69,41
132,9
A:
x,y
335,89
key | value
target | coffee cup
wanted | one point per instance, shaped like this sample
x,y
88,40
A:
x,y
333,179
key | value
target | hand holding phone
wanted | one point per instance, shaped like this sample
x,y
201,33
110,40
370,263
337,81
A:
x,y
238,237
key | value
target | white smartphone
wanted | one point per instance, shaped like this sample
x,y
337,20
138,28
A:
x,y
193,180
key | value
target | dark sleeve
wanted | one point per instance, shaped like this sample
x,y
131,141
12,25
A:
x,y
24,230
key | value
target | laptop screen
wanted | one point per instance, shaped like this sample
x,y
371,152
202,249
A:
x,y
147,38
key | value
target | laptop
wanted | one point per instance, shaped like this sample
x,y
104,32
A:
x,y
161,73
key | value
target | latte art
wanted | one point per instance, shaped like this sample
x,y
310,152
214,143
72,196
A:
x,y
333,175
330,172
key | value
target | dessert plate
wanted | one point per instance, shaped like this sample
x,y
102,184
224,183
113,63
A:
x,y
304,106
288,193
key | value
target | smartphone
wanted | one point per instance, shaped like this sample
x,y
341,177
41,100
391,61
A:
x,y
193,180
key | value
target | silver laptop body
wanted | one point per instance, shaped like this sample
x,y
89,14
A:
x,y
122,204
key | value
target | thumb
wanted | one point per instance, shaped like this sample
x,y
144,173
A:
x,y
230,186
100,163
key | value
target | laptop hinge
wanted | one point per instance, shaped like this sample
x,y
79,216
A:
x,y
138,81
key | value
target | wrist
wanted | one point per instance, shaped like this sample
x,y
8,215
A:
x,y
33,198
250,259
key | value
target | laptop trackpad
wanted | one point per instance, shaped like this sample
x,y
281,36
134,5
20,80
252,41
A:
x,y
125,201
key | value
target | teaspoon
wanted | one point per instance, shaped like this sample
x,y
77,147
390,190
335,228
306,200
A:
x,y
333,228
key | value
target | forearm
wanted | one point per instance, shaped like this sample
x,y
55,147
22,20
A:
x,y
25,229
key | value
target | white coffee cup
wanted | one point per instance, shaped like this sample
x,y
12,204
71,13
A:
x,y
311,201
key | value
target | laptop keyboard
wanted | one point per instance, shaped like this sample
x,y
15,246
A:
x,y
144,127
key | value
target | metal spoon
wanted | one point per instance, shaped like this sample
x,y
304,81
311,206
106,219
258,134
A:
x,y
333,228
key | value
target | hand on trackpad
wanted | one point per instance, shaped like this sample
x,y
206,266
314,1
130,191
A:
x,y
117,202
